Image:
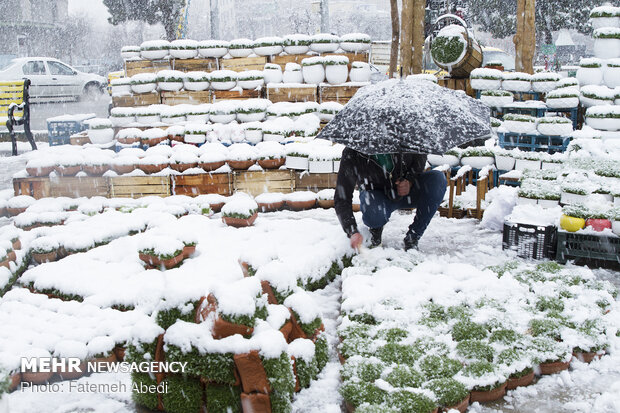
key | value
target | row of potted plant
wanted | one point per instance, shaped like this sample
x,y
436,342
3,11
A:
x,y
264,46
596,71
493,79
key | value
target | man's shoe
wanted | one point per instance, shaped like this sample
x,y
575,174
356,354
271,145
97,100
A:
x,y
411,241
375,236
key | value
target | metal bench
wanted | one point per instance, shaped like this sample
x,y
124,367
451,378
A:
x,y
14,109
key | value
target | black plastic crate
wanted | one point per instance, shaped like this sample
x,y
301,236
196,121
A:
x,y
573,246
530,241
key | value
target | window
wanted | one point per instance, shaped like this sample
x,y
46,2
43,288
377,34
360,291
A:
x,y
57,68
34,67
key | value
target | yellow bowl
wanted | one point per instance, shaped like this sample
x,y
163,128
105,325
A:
x,y
572,224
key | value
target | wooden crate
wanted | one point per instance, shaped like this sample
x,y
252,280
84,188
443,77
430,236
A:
x,y
240,64
206,183
186,97
139,186
256,183
341,94
236,94
145,66
457,84
289,58
35,187
292,94
193,65
144,99
314,182
80,138
74,187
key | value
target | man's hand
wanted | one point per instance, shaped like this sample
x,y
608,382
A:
x,y
356,241
403,187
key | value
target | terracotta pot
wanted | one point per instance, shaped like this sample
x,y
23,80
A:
x,y
73,375
270,207
188,250
554,367
16,378
96,170
36,378
150,259
223,329
177,138
152,169
11,256
500,68
301,205
266,288
521,381
17,244
6,264
182,166
216,207
123,169
271,163
356,208
15,211
128,141
41,171
153,142
240,222
241,165
173,262
461,407
488,396
326,203
598,224
119,352
587,357
211,166
156,262
67,170
107,361
256,403
46,257
252,373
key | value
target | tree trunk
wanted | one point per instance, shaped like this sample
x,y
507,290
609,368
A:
x,y
529,37
406,37
419,12
518,37
171,28
395,37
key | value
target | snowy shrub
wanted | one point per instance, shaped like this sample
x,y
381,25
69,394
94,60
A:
x,y
448,391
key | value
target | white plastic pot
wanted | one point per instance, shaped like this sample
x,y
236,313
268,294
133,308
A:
x,y
555,129
296,49
197,118
477,162
607,48
360,72
212,51
320,167
324,47
196,86
250,84
183,53
438,160
153,54
143,88
609,124
589,76
253,135
240,52
496,101
589,102
121,121
170,86
336,74
616,200
517,85
336,166
562,103
326,117
548,203
173,120
251,117
611,77
523,164
486,84
130,55
292,76
195,139
222,118
101,136
121,90
543,87
268,50
600,22
504,163
615,227
223,85
313,74
148,119
568,198
354,47
296,162
273,137
526,201
551,165
273,75
520,127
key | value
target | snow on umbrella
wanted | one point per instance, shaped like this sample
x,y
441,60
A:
x,y
408,116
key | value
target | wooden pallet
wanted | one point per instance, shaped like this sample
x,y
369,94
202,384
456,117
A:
x,y
292,94
145,66
341,94
144,99
289,58
314,182
80,138
139,186
193,185
236,94
256,183
35,187
74,187
457,84
193,65
240,64
186,97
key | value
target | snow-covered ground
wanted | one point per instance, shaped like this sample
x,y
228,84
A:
x,y
304,243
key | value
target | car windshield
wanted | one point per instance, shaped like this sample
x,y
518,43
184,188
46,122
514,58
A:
x,y
498,56
5,64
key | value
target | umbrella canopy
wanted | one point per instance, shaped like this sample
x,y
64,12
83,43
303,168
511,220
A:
x,y
415,116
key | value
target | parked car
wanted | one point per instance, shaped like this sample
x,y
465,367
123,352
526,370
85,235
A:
x,y
53,80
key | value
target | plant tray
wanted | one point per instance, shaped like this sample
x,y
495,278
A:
x,y
530,241
456,213
587,246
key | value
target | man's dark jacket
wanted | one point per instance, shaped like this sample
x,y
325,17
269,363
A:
x,y
359,169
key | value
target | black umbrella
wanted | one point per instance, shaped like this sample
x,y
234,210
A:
x,y
415,116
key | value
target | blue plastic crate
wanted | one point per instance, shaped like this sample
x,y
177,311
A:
x,y
60,128
533,142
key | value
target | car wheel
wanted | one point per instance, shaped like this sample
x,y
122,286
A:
x,y
91,92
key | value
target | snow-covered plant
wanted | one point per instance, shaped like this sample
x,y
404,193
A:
x,y
590,63
521,76
605,11
449,45
163,247
476,151
519,118
489,74
554,120
44,245
242,207
567,92
496,93
495,123
483,375
607,33
297,40
241,44
448,391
